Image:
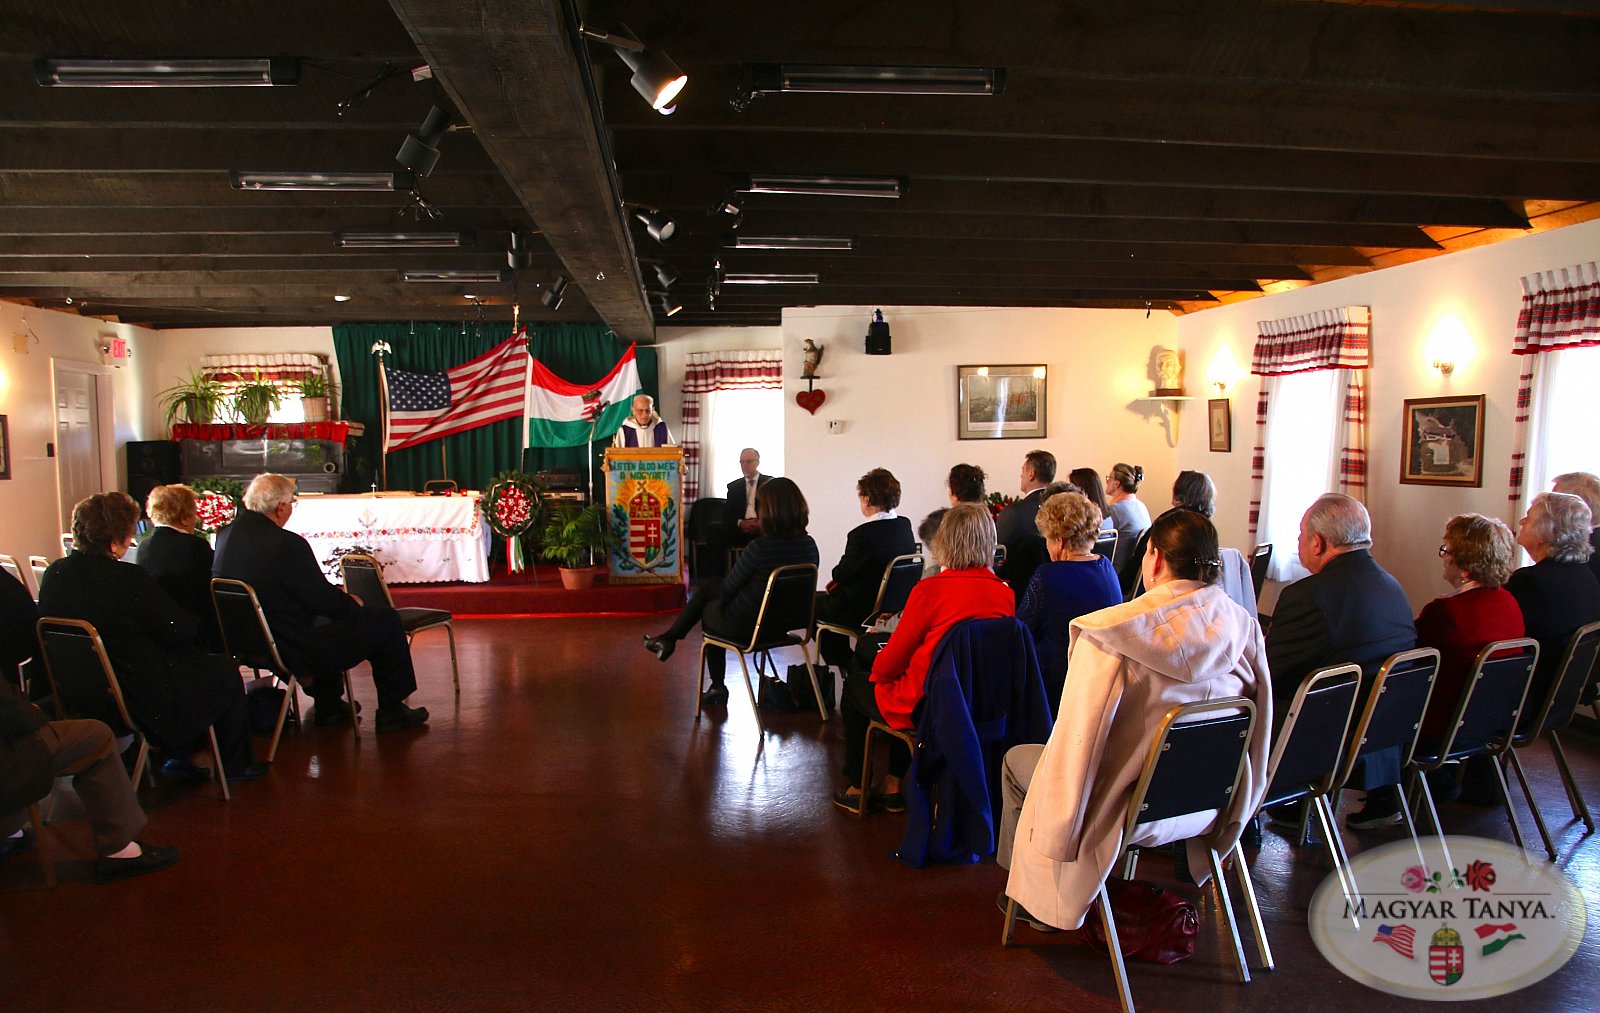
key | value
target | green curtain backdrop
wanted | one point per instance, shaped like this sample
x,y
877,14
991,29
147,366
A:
x,y
576,352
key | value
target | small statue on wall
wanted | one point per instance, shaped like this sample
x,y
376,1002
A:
x,y
813,358
1169,374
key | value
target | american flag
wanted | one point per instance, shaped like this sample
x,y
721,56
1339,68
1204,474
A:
x,y
1398,937
426,406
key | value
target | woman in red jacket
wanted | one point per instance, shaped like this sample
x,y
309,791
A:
x,y
965,589
1478,555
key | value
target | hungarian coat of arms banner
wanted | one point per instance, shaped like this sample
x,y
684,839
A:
x,y
644,490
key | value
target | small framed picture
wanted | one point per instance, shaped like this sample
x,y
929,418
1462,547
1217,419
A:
x,y
5,447
1221,419
1000,402
1442,441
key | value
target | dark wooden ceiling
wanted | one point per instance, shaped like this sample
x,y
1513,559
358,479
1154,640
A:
x,y
1163,153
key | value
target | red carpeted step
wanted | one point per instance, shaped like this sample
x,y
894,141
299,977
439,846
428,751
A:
x,y
541,593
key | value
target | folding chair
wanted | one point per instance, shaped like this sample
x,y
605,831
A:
x,y
363,577
1260,560
38,564
9,564
248,640
439,487
999,557
85,686
1483,721
1390,718
899,579
1553,713
788,604
1195,764
1106,544
66,543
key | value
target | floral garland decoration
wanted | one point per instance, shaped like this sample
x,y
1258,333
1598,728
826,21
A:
x,y
217,503
512,505
998,502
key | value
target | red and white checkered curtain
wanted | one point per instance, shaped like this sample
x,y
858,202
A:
x,y
1560,309
713,371
1328,339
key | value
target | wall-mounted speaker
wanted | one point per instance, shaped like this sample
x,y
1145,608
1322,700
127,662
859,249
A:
x,y
878,335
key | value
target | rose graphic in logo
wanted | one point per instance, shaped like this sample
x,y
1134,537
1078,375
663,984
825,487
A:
x,y
1414,879
1480,876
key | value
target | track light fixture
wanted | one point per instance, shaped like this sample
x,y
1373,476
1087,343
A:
x,y
250,179
519,255
552,296
262,73
730,209
669,306
666,275
655,76
419,152
658,223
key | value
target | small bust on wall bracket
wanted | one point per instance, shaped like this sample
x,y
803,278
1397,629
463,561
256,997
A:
x,y
813,358
1169,374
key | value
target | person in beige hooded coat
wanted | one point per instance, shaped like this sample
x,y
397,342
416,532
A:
x,y
1183,641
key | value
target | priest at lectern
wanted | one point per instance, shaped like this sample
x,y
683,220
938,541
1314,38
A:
x,y
644,428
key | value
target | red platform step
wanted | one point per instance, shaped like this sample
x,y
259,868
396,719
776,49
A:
x,y
538,592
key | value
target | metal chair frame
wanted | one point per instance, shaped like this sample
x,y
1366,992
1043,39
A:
x,y
1555,712
1186,740
447,484
10,565
271,661
881,604
1497,662
1260,560
1105,544
38,564
758,644
360,561
54,626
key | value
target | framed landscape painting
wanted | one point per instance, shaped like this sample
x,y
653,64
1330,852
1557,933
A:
x,y
1441,441
1000,402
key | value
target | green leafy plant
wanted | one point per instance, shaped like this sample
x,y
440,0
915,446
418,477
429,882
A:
x,y
195,400
253,402
315,385
573,534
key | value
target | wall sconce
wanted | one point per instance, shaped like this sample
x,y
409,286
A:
x,y
1444,366
1449,345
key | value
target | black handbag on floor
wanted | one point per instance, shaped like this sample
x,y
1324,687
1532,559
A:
x,y
799,684
775,694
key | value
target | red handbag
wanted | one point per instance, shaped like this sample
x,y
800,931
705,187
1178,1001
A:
x,y
1153,924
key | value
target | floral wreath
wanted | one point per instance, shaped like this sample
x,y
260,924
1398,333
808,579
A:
x,y
216,503
511,508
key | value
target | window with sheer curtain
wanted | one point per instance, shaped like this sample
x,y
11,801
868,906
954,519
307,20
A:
x,y
283,370
736,419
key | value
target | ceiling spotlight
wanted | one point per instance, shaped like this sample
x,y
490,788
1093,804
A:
x,y
243,179
669,306
658,223
456,275
666,275
655,76
751,278
826,186
552,296
419,152
341,298
379,240
519,254
729,209
792,243
769,78
263,73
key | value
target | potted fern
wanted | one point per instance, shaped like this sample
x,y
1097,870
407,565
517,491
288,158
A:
x,y
315,395
254,401
573,537
195,400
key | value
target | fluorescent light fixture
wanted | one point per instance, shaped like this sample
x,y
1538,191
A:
x,y
792,243
827,186
748,278
252,179
379,240
72,73
862,80
456,275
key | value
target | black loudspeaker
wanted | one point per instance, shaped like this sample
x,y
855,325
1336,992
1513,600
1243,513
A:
x,y
150,463
878,336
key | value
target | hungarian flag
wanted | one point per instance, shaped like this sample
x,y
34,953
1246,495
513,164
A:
x,y
1499,942
563,414
427,406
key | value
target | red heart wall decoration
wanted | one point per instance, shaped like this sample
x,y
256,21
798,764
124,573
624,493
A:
x,y
810,400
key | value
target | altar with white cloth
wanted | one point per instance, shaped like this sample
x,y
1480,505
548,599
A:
x,y
418,539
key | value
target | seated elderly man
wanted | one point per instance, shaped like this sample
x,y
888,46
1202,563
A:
x,y
320,630
1587,488
1349,611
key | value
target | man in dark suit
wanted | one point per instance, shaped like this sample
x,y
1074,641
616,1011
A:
x,y
742,491
1349,611
320,630
1015,528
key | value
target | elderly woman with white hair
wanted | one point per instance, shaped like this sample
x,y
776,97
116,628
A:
x,y
1558,593
178,558
1587,488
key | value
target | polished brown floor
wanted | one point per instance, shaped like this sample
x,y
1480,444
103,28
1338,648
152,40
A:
x,y
567,836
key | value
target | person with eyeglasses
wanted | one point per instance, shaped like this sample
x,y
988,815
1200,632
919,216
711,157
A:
x,y
321,631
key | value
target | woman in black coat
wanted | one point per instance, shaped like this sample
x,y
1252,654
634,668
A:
x,y
868,550
172,689
1558,593
179,559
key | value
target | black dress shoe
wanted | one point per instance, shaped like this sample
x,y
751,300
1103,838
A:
x,y
336,712
662,646
249,773
849,800
17,844
153,858
184,771
716,696
889,802
398,717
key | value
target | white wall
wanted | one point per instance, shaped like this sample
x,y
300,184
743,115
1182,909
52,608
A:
x,y
899,411
1472,298
30,340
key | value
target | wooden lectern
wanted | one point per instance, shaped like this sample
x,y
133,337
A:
x,y
644,497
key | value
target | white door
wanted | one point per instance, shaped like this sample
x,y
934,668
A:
x,y
77,439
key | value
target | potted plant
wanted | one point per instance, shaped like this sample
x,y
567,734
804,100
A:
x,y
194,401
573,537
254,401
315,394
